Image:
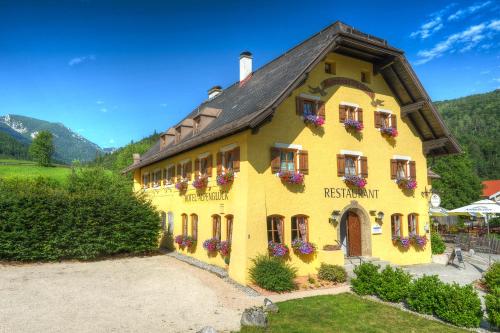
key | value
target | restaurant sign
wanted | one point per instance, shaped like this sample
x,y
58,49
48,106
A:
x,y
342,193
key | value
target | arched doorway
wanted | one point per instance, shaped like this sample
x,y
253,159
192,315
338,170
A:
x,y
354,231
352,234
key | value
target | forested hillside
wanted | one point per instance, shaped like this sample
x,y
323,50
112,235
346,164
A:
x,y
475,122
11,148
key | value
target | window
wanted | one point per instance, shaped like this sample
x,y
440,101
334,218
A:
x,y
330,68
350,112
352,165
403,169
170,174
385,120
145,180
228,160
177,134
157,178
275,229
163,221
203,166
286,159
365,77
184,170
229,228
196,125
194,226
309,106
300,228
170,218
216,227
413,224
396,225
184,225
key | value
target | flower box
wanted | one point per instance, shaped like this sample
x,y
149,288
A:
x,y
402,242
200,183
225,248
310,118
354,125
277,249
389,131
184,241
303,247
211,245
418,241
291,177
181,185
406,183
355,181
225,178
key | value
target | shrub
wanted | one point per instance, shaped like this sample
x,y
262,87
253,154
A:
x,y
423,293
493,307
458,305
492,276
95,214
437,243
272,273
367,279
333,273
394,284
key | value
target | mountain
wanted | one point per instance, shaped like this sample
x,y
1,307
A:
x,y
475,122
69,146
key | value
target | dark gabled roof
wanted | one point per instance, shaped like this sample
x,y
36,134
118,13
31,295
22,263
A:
x,y
247,105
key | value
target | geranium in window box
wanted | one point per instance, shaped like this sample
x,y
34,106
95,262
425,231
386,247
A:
x,y
181,185
354,125
225,178
406,183
303,247
184,241
311,118
290,177
389,131
225,248
277,249
402,242
200,183
418,241
355,181
211,245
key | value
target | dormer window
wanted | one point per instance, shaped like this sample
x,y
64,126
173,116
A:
x,y
204,118
178,134
196,125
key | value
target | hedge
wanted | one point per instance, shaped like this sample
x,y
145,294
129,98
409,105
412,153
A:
x,y
96,214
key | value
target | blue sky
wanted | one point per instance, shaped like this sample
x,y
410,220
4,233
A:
x,y
115,71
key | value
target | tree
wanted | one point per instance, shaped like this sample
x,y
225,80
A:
x,y
42,148
459,184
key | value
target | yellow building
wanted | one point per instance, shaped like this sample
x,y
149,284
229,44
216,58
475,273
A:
x,y
323,145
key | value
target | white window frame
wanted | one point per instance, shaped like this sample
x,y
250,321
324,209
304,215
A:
x,y
352,105
388,113
291,146
407,164
356,154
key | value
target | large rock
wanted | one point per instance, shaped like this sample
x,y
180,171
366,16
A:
x,y
254,317
269,306
207,329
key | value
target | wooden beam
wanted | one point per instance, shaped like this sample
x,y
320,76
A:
x,y
433,144
412,107
379,67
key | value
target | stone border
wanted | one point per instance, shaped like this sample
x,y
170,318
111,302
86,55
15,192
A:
x,y
218,271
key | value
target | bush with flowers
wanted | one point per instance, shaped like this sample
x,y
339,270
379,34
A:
x,y
406,183
181,185
356,181
211,245
303,247
277,249
352,124
225,178
224,248
311,118
290,177
200,183
389,131
184,241
402,242
418,241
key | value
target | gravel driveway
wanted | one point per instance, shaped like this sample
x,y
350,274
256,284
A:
x,y
151,294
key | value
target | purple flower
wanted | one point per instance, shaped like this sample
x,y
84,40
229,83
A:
x,y
353,124
225,178
406,183
291,177
390,131
356,181
277,249
303,247
211,245
310,118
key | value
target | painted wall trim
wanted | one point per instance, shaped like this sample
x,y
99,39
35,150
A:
x,y
288,146
351,152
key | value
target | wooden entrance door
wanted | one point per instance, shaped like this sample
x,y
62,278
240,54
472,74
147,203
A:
x,y
353,234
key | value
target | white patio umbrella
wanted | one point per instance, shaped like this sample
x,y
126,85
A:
x,y
484,207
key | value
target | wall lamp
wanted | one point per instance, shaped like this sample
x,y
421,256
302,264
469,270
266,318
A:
x,y
380,216
335,217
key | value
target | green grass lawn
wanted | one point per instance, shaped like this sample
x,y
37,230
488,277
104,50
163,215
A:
x,y
346,313
28,169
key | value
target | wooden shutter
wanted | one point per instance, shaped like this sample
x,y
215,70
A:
x,y
342,113
236,159
321,109
364,166
378,119
209,165
394,169
303,162
189,170
219,163
340,165
413,170
179,172
394,122
275,160
360,115
196,167
299,105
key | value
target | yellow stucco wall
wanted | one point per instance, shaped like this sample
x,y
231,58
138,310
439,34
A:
x,y
257,193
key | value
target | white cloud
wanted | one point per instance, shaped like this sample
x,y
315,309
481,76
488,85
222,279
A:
x,y
104,110
461,41
497,79
433,25
461,13
111,140
78,60
99,102
163,105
